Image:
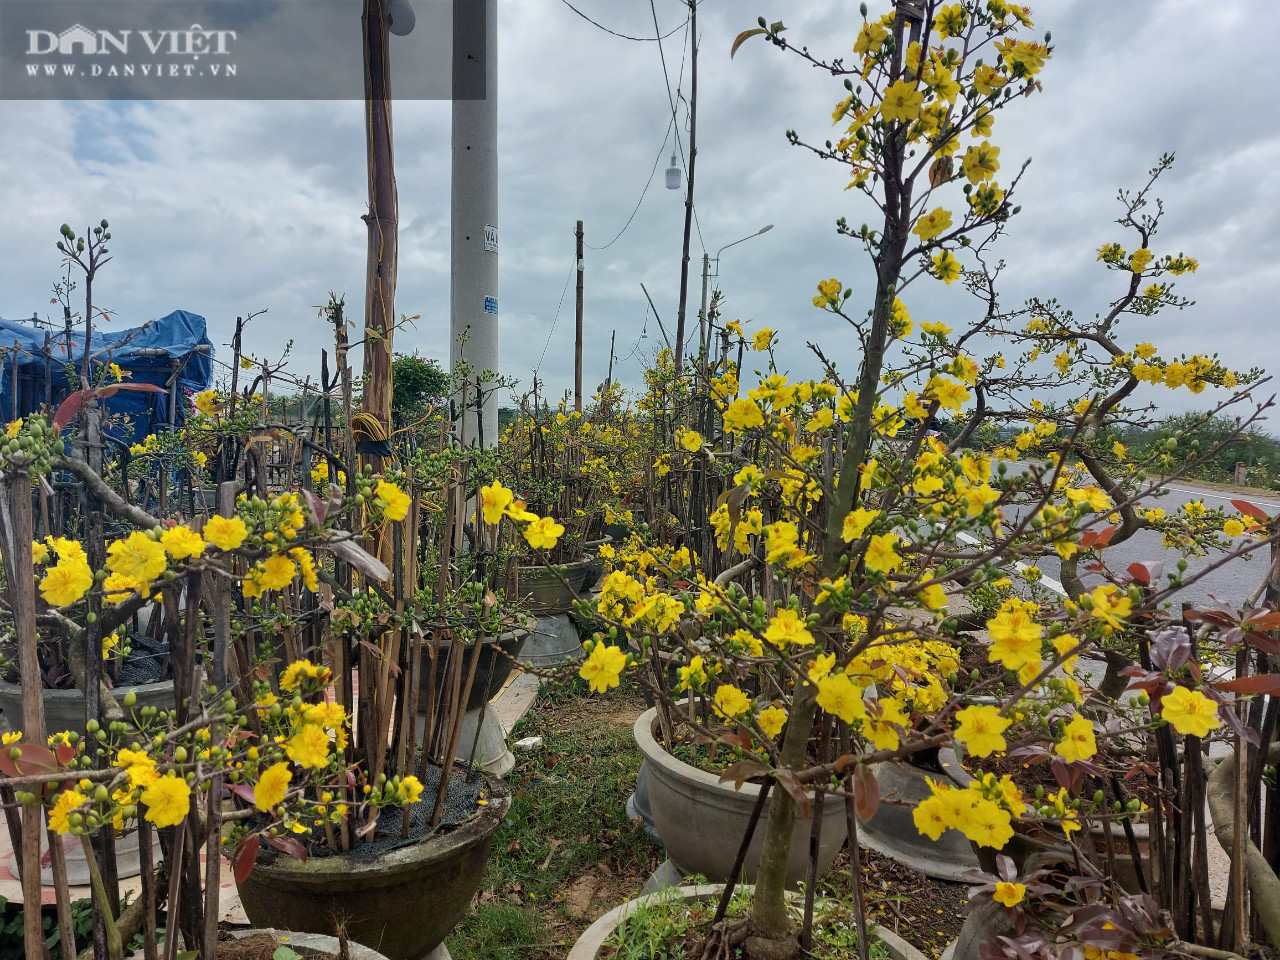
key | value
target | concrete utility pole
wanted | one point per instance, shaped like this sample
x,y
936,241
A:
x,y
474,288
380,277
577,335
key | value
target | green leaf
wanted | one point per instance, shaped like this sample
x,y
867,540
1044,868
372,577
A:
x,y
284,953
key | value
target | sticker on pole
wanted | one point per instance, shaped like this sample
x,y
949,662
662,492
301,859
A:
x,y
491,305
490,238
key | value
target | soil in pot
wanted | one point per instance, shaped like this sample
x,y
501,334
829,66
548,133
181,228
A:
x,y
401,896
263,946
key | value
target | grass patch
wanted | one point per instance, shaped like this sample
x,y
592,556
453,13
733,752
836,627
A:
x,y
567,851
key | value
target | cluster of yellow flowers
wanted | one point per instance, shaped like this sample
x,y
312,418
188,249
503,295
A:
x,y
497,501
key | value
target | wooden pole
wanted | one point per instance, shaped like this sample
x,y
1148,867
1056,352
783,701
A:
x,y
382,218
23,597
577,335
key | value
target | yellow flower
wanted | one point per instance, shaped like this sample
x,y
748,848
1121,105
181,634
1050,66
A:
x,y
981,729
494,500
602,668
856,523
1015,636
307,564
691,440
411,786
934,597
692,675
870,37
309,747
272,786
225,533
1140,260
68,800
771,720
543,533
167,800
396,499
731,702
881,555
902,101
937,812
1078,741
137,557
933,223
743,414
207,402
117,589
949,394
786,628
987,824
1009,894
762,339
302,670
138,766
947,269
1190,712
12,429
1110,606
39,552
980,162
275,573
828,293
10,737
838,696
182,542
821,666
66,582
1233,527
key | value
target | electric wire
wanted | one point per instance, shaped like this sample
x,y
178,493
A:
x,y
643,193
542,356
615,33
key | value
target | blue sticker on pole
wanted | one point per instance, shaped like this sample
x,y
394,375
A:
x,y
491,305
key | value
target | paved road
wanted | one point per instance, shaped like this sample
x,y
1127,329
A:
x,y
1232,583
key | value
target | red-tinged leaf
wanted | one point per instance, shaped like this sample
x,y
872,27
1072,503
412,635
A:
x,y
866,792
735,739
1099,539
290,846
1264,642
788,782
245,856
244,791
63,752
1140,574
741,772
361,559
1249,510
1248,734
743,37
75,403
32,759
1258,683
319,508
1060,772
1265,621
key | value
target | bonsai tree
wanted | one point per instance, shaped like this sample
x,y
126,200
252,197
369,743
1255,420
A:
x,y
827,648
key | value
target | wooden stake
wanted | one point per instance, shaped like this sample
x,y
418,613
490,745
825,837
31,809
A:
x,y
577,335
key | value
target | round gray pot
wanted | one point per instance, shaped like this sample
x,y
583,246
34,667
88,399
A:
x,y
590,943
892,831
497,660
542,591
64,709
702,821
403,903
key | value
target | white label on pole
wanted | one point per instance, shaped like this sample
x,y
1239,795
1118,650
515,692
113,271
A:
x,y
490,238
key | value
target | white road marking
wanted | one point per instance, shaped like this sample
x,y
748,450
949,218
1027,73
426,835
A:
x,y
1047,580
1218,496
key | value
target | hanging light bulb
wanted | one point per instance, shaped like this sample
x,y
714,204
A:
x,y
673,175
402,18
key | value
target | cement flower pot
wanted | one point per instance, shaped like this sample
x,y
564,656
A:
x,y
892,831
591,942
542,591
403,902
701,821
64,709
497,660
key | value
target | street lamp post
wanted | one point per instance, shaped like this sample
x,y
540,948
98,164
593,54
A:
x,y
704,322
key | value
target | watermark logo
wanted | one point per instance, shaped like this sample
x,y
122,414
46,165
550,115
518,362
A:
x,y
236,49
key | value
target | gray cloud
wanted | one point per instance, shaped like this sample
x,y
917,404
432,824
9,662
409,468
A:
x,y
226,207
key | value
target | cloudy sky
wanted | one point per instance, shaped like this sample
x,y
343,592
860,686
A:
x,y
224,208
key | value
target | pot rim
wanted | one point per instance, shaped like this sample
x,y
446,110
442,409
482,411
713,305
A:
x,y
656,754
515,633
311,941
429,851
55,693
587,946
572,565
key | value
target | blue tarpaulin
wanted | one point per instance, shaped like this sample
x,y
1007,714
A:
x,y
172,352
